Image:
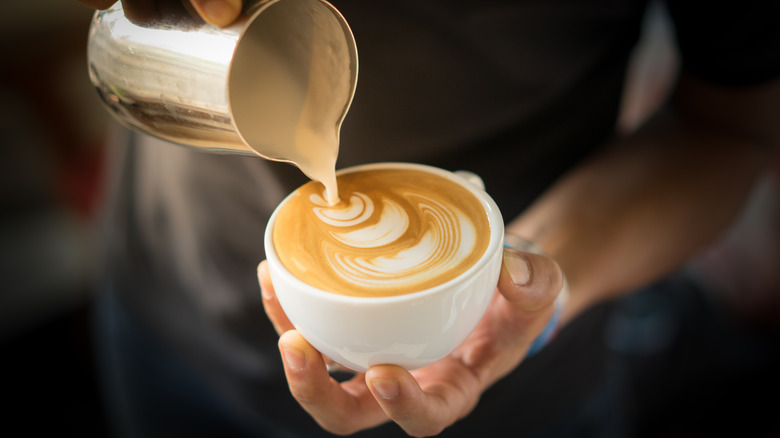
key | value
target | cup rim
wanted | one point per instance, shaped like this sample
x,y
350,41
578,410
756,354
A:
x,y
495,221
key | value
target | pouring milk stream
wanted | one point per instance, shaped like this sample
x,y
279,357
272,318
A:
x,y
311,92
277,83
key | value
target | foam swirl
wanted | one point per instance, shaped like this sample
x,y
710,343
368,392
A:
x,y
394,232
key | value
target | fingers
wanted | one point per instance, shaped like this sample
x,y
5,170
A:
x,y
218,12
426,401
140,11
524,304
431,400
446,392
97,4
143,12
341,408
270,303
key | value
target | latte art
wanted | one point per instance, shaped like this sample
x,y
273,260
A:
x,y
393,232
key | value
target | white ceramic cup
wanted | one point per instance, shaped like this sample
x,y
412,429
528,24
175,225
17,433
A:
x,y
411,330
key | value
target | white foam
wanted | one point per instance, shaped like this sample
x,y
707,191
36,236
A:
x,y
413,264
357,210
392,224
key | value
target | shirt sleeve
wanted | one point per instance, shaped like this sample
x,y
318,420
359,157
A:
x,y
728,43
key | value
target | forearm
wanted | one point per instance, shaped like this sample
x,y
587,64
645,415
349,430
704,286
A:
x,y
647,202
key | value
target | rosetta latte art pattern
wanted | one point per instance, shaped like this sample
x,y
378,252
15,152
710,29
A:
x,y
393,232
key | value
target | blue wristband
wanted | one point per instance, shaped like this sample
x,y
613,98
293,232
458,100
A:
x,y
547,333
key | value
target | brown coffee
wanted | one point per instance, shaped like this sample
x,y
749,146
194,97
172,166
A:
x,y
394,231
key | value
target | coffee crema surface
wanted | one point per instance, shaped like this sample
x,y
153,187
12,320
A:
x,y
393,232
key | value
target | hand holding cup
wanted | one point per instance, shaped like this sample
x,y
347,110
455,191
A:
x,y
426,396
427,400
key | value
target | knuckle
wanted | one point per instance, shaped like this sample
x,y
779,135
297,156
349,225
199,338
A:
x,y
340,425
429,430
305,395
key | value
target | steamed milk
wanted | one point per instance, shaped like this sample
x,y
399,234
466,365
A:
x,y
306,73
394,231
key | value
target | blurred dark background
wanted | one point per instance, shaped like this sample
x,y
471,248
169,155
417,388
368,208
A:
x,y
52,144
50,181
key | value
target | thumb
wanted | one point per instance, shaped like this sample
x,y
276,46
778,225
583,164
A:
x,y
218,12
534,288
97,4
529,282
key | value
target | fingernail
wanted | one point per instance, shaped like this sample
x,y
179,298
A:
x,y
517,266
219,12
388,389
295,358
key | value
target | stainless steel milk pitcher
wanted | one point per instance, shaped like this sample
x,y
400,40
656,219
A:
x,y
216,88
